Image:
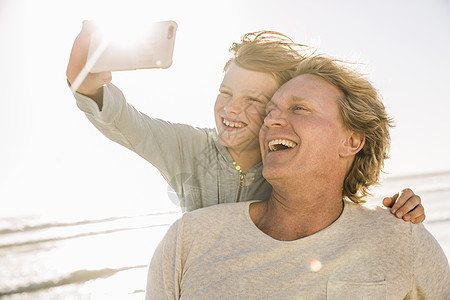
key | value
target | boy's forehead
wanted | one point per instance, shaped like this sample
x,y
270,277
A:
x,y
237,74
249,91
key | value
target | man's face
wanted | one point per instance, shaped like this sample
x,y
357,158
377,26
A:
x,y
303,133
240,107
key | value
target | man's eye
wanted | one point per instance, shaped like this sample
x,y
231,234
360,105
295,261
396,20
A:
x,y
298,108
225,93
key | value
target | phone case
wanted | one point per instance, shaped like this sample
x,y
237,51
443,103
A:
x,y
153,51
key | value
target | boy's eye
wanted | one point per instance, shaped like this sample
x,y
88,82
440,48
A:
x,y
254,100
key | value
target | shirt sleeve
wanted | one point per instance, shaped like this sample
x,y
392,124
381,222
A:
x,y
171,148
164,273
431,270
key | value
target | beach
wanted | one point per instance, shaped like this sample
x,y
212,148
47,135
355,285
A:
x,y
107,257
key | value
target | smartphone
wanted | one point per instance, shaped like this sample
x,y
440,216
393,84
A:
x,y
153,50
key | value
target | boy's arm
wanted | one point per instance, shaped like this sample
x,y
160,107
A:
x,y
406,205
168,147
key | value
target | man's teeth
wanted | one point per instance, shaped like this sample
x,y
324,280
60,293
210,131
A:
x,y
233,124
281,144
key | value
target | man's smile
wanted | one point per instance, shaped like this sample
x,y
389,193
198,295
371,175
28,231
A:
x,y
280,144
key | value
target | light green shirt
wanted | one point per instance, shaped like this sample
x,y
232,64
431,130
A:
x,y
195,165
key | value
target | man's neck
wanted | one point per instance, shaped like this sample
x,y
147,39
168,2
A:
x,y
294,216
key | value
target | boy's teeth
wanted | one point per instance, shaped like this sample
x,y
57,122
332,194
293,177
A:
x,y
281,144
232,124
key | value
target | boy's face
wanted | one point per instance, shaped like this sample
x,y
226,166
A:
x,y
240,107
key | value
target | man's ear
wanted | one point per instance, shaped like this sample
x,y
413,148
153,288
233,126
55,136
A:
x,y
352,144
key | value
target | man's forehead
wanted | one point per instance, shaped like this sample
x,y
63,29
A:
x,y
288,99
305,87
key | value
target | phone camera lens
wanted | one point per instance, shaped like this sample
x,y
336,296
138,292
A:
x,y
170,33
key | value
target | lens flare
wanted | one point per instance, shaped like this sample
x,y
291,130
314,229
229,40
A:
x,y
122,34
315,265
115,31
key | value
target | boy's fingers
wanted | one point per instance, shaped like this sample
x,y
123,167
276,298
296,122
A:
x,y
389,201
89,26
89,83
103,77
410,207
418,219
403,196
98,79
78,55
418,212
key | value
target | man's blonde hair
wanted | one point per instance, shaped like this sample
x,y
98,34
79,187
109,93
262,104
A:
x,y
362,111
268,51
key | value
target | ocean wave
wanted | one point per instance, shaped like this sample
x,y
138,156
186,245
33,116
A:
x,y
79,276
84,234
439,220
425,175
18,225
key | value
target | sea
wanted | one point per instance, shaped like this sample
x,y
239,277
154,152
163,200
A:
x,y
107,257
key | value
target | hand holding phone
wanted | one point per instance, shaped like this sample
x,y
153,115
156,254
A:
x,y
78,76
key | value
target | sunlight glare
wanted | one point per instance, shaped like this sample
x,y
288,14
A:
x,y
315,265
127,33
124,32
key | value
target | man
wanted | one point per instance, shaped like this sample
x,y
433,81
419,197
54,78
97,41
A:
x,y
323,144
208,166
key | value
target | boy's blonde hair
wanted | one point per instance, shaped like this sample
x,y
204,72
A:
x,y
362,111
268,51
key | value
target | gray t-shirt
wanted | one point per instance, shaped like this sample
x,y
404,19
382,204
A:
x,y
219,253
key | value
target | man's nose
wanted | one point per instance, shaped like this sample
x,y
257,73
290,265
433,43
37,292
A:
x,y
275,117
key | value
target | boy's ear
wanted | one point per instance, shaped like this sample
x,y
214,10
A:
x,y
352,144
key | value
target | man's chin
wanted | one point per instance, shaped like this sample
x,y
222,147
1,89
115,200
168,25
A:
x,y
270,173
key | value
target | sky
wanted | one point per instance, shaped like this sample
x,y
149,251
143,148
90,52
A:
x,y
53,161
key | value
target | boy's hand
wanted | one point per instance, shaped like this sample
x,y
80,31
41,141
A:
x,y
406,205
92,84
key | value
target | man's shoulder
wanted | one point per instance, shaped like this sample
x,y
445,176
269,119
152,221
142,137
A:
x,y
216,212
375,227
375,215
213,222
369,208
